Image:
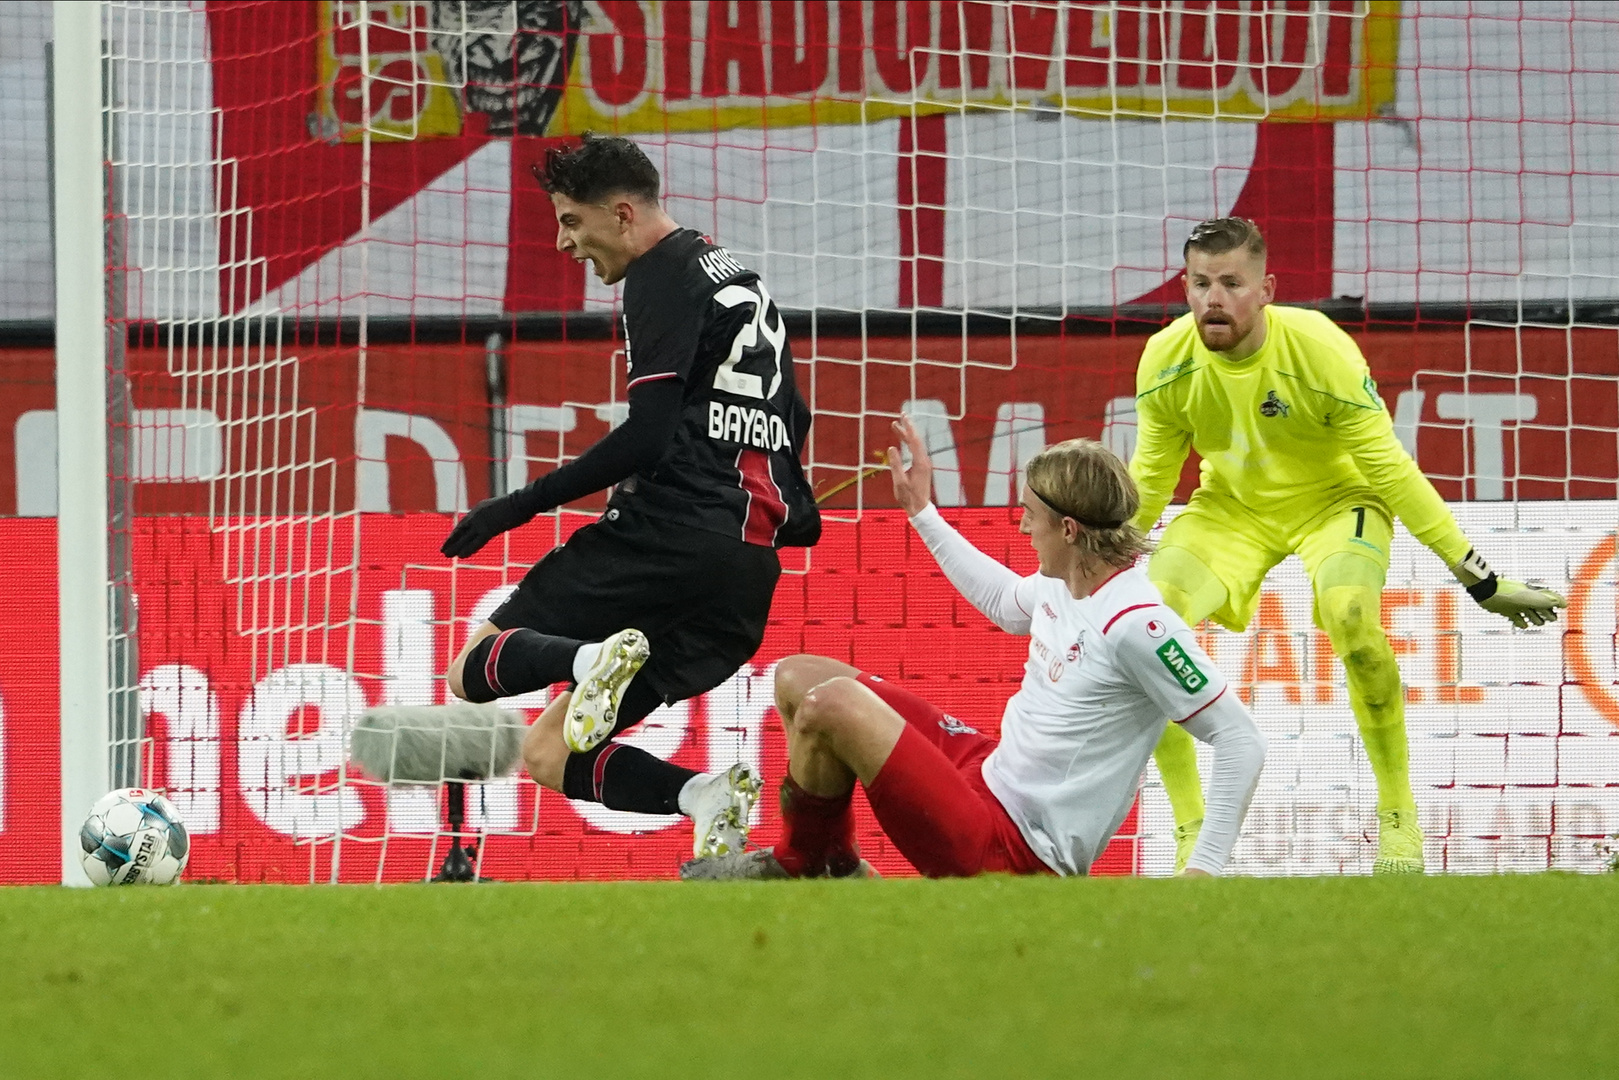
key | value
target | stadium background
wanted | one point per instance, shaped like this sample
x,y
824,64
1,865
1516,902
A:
x,y
327,242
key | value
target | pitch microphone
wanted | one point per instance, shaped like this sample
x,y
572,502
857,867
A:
x,y
439,744
428,744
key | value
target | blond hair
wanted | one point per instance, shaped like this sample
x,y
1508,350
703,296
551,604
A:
x,y
1084,480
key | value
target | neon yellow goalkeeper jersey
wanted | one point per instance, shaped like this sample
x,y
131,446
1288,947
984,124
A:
x,y
1290,432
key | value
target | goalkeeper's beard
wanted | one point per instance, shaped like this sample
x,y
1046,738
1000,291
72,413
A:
x,y
1223,336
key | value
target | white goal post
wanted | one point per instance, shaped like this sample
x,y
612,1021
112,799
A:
x,y
81,431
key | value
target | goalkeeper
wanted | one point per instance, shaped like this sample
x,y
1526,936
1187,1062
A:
x,y
1299,456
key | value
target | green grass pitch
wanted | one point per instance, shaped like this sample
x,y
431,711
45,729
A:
x,y
993,977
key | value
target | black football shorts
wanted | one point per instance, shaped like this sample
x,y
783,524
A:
x,y
701,598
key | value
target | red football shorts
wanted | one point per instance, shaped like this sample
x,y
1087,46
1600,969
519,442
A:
x,y
931,799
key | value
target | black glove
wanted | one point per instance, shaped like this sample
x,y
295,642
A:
x,y
637,443
486,521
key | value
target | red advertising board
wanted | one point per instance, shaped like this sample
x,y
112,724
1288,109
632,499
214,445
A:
x,y
252,667
245,726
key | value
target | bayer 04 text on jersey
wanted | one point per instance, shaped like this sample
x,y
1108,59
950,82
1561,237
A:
x,y
744,424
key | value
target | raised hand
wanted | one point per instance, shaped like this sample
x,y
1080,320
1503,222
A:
x,y
913,487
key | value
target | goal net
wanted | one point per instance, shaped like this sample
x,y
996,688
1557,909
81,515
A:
x,y
343,320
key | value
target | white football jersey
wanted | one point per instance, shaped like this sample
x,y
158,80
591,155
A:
x,y
1104,676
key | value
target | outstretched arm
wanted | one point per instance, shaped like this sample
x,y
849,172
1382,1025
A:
x,y
1239,754
633,446
1369,434
987,585
1180,678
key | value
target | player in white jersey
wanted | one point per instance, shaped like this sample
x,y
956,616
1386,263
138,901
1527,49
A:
x,y
1108,663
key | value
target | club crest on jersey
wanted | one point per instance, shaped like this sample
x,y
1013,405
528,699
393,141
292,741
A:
x,y
1076,650
1273,405
1181,666
1156,629
952,726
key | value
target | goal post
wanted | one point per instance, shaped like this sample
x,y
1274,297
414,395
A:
x,y
82,335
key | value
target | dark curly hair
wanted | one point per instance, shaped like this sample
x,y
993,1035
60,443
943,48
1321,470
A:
x,y
598,167
1220,235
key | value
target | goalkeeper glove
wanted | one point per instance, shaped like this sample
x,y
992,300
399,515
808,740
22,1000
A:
x,y
1523,605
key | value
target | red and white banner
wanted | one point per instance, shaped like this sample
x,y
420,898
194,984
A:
x,y
1491,414
1023,156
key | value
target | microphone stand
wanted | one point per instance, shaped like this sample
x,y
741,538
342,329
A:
x,y
461,862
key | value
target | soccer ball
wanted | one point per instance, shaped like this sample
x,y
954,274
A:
x,y
134,836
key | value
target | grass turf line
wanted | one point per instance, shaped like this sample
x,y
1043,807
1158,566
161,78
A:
x,y
1388,977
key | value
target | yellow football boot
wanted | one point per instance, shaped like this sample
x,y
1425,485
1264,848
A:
x,y
1399,843
1185,841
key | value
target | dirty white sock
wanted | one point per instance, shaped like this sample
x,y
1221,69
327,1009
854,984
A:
x,y
585,659
688,792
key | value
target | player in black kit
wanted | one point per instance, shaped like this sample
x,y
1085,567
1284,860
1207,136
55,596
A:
x,y
666,595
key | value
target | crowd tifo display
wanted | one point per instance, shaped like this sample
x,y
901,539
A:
x,y
343,319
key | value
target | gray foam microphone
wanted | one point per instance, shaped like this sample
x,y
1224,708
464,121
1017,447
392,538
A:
x,y
428,744
440,744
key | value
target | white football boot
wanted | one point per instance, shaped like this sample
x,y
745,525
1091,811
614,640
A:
x,y
595,704
719,810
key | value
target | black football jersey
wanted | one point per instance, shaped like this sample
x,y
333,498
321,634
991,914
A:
x,y
692,312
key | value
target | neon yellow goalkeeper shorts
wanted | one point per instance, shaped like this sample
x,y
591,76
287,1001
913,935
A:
x,y
1240,548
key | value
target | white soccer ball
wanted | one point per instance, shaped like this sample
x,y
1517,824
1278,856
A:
x,y
134,836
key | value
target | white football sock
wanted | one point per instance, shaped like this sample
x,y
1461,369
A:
x,y
585,659
688,792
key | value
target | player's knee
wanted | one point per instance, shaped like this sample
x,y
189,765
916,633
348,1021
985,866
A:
x,y
453,678
791,677
1186,583
829,707
797,676
1352,617
1175,597
472,688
